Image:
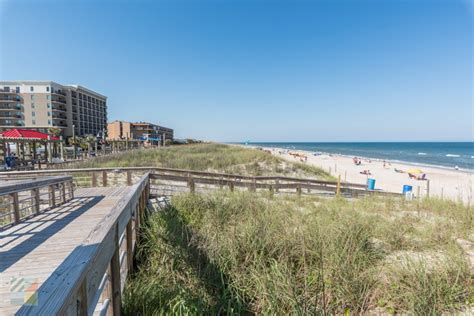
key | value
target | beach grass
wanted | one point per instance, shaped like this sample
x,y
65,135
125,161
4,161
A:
x,y
210,157
248,253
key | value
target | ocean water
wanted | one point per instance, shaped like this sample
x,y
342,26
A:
x,y
446,155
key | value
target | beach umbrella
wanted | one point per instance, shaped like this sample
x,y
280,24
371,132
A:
x,y
415,171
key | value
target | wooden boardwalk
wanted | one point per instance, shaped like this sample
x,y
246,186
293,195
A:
x,y
33,252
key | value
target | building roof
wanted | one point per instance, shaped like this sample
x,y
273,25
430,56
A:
x,y
26,134
79,87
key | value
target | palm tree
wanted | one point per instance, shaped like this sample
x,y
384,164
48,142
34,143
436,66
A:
x,y
75,141
89,140
54,131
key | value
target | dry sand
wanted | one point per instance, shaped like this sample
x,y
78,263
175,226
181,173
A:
x,y
451,184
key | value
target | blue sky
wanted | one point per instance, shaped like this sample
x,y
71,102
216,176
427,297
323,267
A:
x,y
258,70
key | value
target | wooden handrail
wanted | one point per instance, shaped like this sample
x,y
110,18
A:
x,y
25,197
9,187
182,171
80,294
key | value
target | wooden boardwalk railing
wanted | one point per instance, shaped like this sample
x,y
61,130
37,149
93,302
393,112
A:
x,y
170,180
22,199
93,280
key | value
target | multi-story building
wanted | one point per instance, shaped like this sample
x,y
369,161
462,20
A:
x,y
41,105
138,130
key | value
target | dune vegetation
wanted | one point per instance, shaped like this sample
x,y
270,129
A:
x,y
210,157
252,253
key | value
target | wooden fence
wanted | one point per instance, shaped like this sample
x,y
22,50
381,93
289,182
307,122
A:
x,y
23,199
167,181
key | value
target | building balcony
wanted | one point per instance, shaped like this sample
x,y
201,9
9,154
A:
x,y
8,99
59,108
59,100
4,92
59,122
58,114
57,92
9,115
8,107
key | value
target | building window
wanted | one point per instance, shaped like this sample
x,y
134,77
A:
x,y
17,89
33,121
32,105
49,122
32,89
32,97
47,89
33,113
49,113
48,105
47,97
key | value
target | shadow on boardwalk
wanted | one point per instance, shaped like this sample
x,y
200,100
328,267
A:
x,y
34,231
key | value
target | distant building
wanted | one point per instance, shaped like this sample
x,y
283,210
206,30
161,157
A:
x,y
139,130
41,105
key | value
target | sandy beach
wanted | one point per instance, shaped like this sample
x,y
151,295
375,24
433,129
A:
x,y
445,183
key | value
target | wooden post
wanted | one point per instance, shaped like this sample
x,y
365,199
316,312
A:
x,y
338,187
277,185
94,179
254,185
115,278
82,304
48,145
34,150
442,193
16,207
52,196
36,200
129,232
129,177
21,155
137,221
191,184
71,189
231,186
61,148
427,188
104,178
63,192
298,190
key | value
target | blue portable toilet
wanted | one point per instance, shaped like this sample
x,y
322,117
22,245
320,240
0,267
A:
x,y
371,184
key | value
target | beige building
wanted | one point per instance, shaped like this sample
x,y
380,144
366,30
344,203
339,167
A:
x,y
44,104
139,130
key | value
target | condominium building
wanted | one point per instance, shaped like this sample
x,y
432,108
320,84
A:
x,y
138,130
41,105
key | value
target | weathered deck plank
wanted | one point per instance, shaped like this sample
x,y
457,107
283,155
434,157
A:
x,y
32,251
